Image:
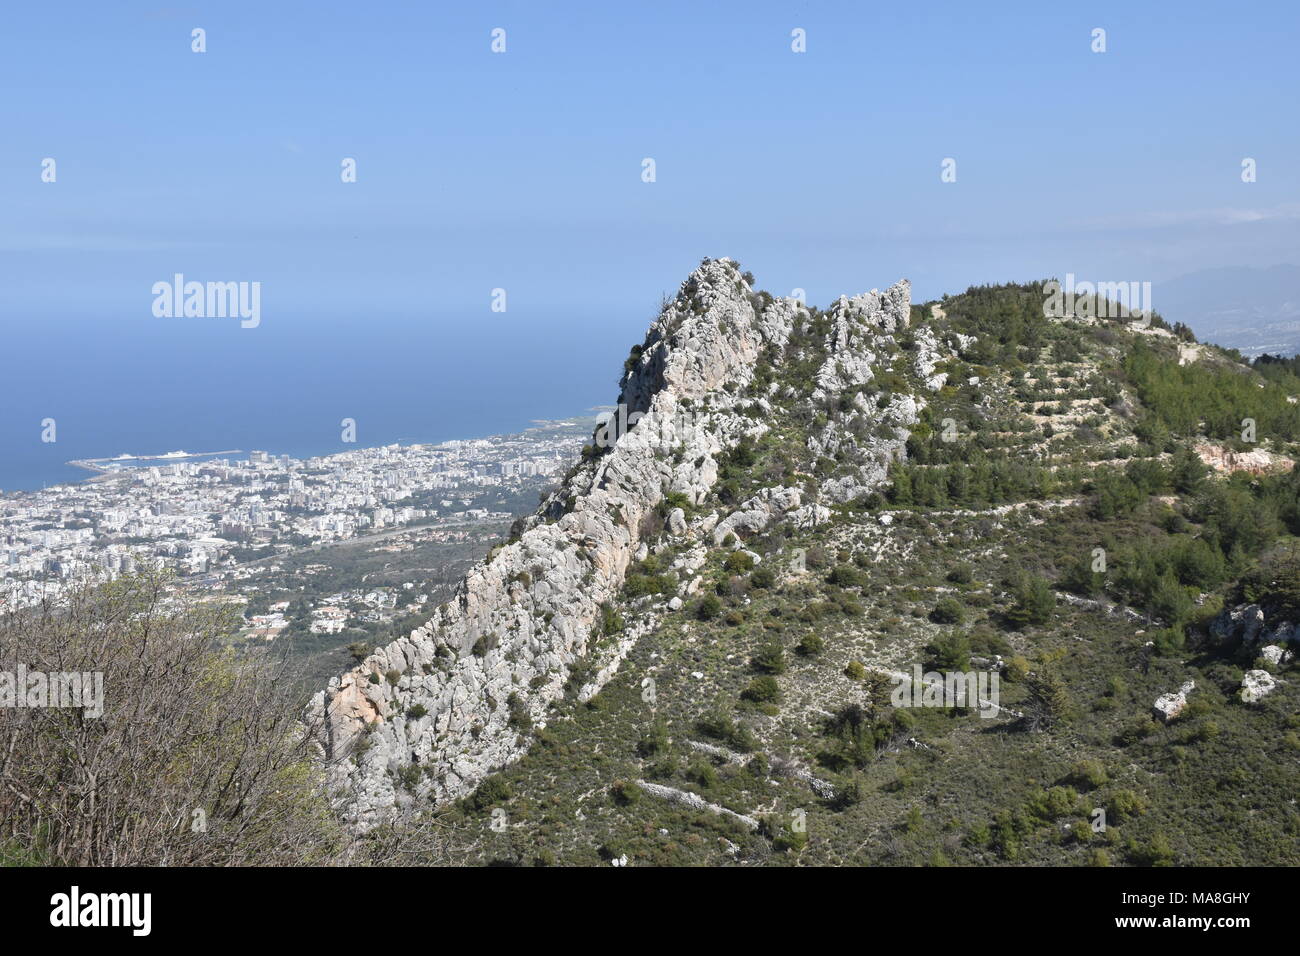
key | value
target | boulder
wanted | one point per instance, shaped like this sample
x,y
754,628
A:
x,y
1169,706
1275,654
1256,685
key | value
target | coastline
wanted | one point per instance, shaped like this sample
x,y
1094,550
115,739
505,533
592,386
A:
x,y
101,474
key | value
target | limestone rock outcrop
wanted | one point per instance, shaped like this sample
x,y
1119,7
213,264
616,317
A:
x,y
1259,461
1169,706
430,715
1256,685
1250,624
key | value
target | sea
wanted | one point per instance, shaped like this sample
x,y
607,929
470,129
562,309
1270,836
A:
x,y
147,387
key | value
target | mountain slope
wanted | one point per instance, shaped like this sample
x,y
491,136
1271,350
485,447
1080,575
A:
x,y
687,655
451,698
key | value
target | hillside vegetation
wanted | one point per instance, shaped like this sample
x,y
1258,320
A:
x,y
1053,448
692,653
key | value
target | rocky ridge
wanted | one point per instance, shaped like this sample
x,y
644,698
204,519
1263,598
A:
x,y
429,716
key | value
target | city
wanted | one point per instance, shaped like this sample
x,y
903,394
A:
x,y
215,523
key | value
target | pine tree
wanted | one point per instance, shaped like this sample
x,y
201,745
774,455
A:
x,y
1047,702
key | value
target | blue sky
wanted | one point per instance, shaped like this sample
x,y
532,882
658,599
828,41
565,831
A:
x,y
522,170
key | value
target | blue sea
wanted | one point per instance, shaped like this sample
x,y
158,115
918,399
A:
x,y
146,386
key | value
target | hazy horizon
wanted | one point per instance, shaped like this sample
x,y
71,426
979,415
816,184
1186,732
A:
x,y
501,247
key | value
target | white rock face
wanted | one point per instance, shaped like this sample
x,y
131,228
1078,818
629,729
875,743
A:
x,y
810,516
929,355
1275,654
1243,623
855,323
757,513
861,348
447,697
1256,685
1169,706
1258,461
860,327
1249,624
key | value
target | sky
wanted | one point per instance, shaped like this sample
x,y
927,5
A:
x,y
523,171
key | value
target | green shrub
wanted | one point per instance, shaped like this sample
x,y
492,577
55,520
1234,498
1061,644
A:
x,y
1136,730
845,576
1054,803
1122,805
961,574
948,611
1089,774
708,608
611,622
702,773
810,645
640,584
979,835
790,841
655,740
739,562
770,658
490,792
1156,853
1047,703
1034,601
848,606
762,690
520,718
624,792
1017,670
949,652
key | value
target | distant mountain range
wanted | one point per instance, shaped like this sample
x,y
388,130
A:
x,y
1253,310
